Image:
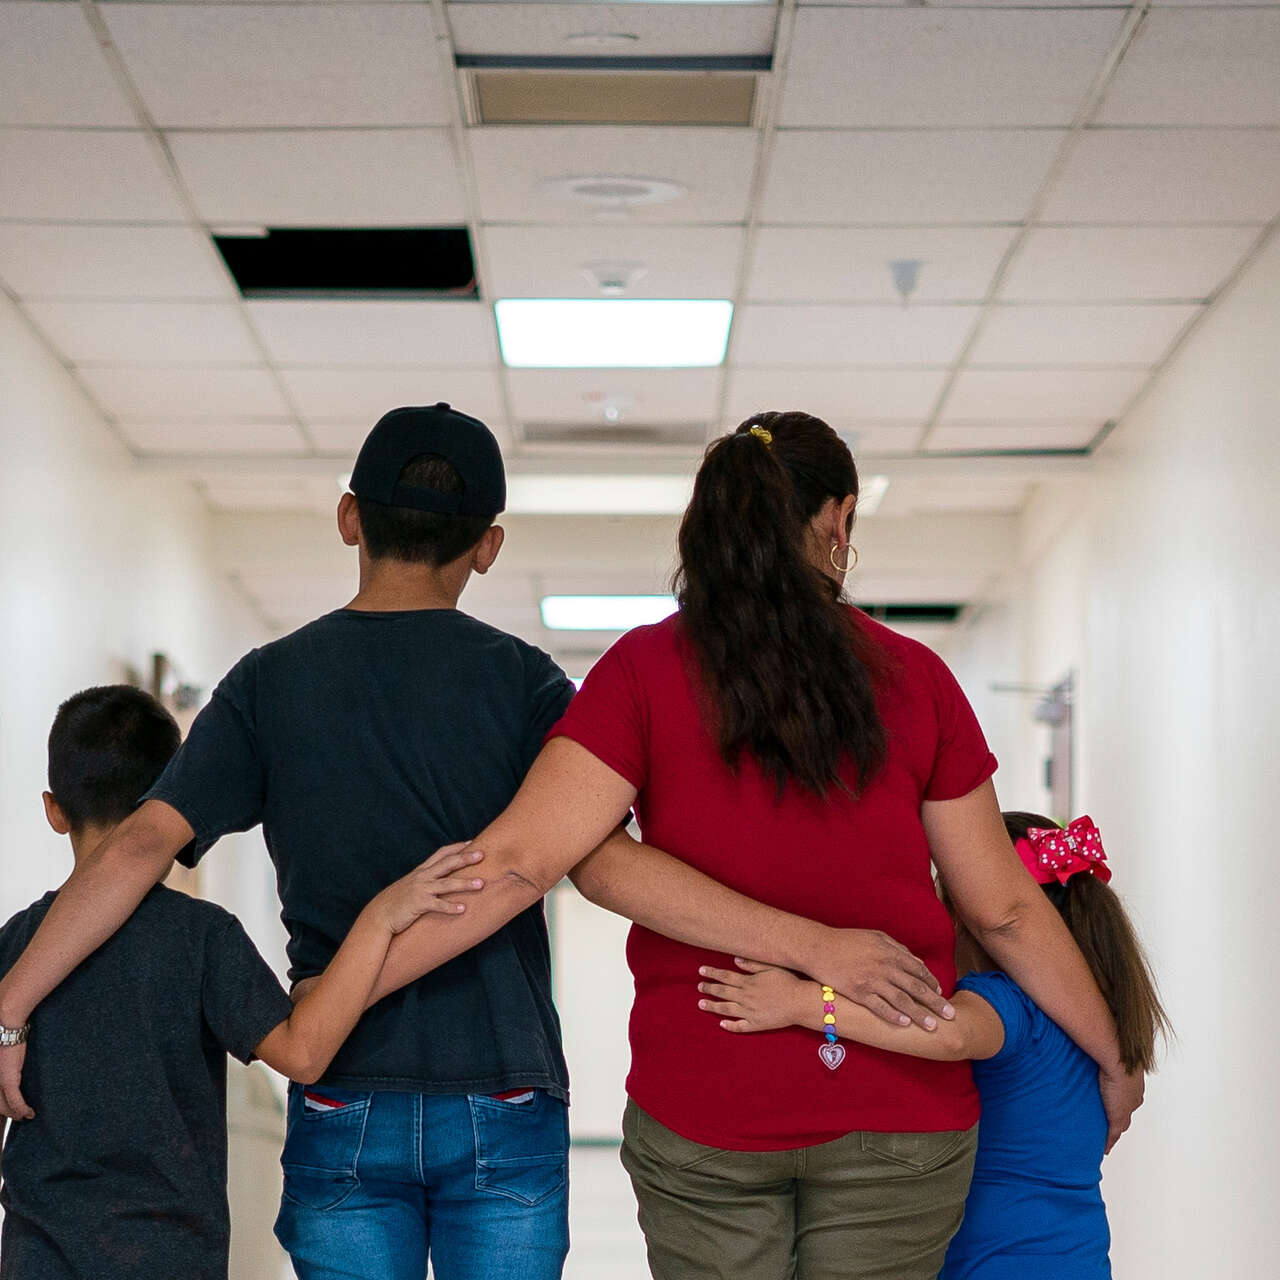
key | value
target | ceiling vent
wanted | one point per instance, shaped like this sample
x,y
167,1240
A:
x,y
905,613
613,97
350,262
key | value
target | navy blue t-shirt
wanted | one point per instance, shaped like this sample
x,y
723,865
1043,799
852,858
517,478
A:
x,y
1035,1204
362,743
122,1175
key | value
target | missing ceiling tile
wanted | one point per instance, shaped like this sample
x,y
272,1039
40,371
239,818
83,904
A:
x,y
352,262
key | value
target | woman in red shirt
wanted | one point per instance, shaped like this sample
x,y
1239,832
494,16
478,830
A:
x,y
801,763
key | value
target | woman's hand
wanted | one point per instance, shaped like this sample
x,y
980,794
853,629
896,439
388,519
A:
x,y
423,889
759,997
871,969
1122,1094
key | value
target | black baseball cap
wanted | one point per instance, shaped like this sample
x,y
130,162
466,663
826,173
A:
x,y
403,434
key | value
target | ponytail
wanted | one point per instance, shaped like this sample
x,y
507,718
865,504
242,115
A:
x,y
789,675
1107,940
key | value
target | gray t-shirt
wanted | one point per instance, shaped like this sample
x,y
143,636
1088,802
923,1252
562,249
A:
x,y
122,1175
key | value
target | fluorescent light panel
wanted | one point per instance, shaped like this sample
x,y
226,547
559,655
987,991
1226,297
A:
x,y
604,613
871,490
613,333
582,495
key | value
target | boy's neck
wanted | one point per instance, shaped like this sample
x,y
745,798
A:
x,y
89,838
389,586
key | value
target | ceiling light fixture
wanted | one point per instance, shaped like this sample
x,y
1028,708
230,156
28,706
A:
x,y
607,495
871,491
604,613
613,333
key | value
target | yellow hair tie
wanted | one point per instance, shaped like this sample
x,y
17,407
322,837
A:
x,y
762,433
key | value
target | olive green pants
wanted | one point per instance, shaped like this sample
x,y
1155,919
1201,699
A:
x,y
869,1206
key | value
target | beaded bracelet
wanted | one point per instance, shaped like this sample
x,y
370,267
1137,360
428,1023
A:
x,y
832,1052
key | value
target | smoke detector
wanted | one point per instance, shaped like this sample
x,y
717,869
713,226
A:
x,y
613,278
611,407
613,191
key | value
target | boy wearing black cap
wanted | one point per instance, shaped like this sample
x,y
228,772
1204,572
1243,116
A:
x,y
377,733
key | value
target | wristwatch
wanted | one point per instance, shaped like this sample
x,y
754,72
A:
x,y
10,1036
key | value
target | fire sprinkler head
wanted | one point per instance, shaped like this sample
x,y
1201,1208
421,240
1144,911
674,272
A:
x,y
906,276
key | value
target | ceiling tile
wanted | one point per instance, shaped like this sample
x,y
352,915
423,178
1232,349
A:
x,y
842,397
426,334
212,438
1080,335
869,68
265,493
59,260
347,437
1186,175
776,334
52,71
327,178
147,333
186,395
1220,67
1082,395
83,175
670,262
364,395
642,396
852,265
999,436
921,494
714,166
1004,4
339,437
1124,263
842,178
872,439
260,66
640,30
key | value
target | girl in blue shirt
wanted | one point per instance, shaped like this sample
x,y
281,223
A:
x,y
1035,1204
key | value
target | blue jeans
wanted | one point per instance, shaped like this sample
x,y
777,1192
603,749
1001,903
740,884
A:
x,y
374,1182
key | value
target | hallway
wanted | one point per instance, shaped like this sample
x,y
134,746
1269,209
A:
x,y
1024,258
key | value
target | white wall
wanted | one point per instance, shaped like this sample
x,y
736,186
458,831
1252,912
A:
x,y
99,568
1159,583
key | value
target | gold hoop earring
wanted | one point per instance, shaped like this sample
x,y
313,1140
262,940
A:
x,y
850,565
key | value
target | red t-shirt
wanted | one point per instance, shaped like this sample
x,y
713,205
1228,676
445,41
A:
x,y
852,863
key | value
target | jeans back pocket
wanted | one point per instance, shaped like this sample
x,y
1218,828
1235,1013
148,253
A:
x,y
522,1148
322,1144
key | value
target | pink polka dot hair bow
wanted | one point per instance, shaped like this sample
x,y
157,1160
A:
x,y
1058,853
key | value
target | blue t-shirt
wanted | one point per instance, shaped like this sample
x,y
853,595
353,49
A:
x,y
1035,1205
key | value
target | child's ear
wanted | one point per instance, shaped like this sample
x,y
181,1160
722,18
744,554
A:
x,y
349,520
487,548
53,811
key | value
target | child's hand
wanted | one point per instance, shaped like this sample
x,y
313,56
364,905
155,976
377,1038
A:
x,y
422,890
759,998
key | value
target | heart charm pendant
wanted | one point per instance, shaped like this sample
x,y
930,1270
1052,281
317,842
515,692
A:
x,y
832,1055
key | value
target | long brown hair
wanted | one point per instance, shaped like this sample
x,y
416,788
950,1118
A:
x,y
1109,944
790,676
